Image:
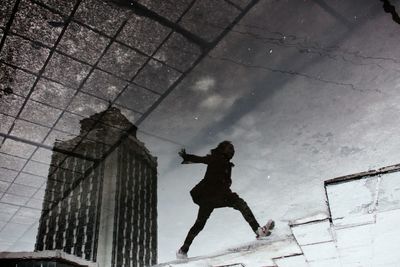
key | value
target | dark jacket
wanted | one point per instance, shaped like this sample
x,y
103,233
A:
x,y
214,188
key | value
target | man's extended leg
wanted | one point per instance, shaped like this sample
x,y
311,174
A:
x,y
202,217
236,202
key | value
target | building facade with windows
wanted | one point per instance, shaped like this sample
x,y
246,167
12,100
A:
x,y
101,198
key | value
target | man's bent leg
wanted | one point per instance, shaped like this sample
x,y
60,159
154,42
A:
x,y
202,217
239,204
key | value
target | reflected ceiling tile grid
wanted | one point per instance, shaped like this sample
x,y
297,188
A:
x,y
157,77
17,193
7,175
104,85
137,98
52,93
30,56
39,37
40,113
178,52
63,7
19,81
122,61
101,15
11,105
6,11
170,9
17,149
82,43
6,122
30,180
143,33
29,131
69,123
209,18
34,22
66,70
11,162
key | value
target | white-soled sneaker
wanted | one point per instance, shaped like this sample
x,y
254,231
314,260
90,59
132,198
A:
x,y
265,230
180,255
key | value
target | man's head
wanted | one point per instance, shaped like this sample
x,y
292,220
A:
x,y
226,148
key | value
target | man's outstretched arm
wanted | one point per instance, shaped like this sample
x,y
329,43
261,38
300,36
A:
x,y
189,158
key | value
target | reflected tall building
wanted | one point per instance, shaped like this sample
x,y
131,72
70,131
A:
x,y
102,208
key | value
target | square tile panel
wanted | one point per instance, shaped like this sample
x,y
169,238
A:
x,y
137,98
36,168
13,230
11,105
39,113
29,131
241,3
86,105
389,192
131,115
294,261
387,238
8,209
357,256
52,93
58,136
39,195
170,9
178,52
5,11
28,212
21,190
14,199
208,18
11,162
19,81
6,122
82,43
102,15
360,193
29,56
321,251
34,203
326,263
43,155
33,21
69,123
5,217
22,220
30,180
157,76
143,33
312,233
64,7
66,70
4,186
104,85
122,61
18,149
7,175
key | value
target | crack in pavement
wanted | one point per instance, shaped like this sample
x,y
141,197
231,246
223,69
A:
x,y
295,73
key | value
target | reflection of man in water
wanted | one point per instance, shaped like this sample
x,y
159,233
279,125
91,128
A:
x,y
214,192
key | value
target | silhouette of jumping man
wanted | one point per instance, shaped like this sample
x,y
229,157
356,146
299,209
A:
x,y
213,191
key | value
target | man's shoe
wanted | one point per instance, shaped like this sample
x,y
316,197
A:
x,y
265,230
181,255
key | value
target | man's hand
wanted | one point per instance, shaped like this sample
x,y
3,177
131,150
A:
x,y
182,153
